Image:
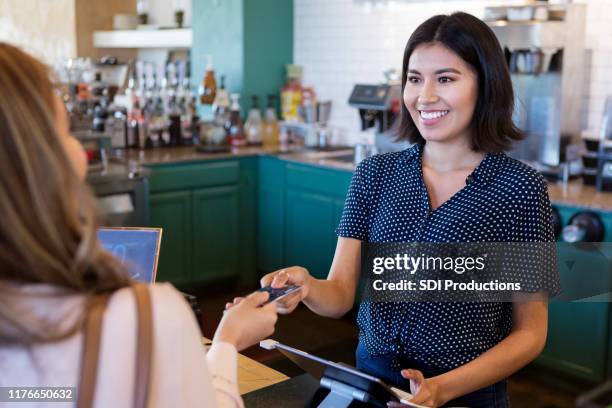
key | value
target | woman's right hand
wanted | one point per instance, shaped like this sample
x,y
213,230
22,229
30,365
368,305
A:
x,y
295,275
247,322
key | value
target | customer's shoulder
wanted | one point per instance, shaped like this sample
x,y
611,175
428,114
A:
x,y
168,304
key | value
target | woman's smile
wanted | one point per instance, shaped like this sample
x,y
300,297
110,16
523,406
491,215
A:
x,y
432,117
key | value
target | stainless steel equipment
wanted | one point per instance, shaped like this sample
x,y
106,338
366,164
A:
x,y
604,171
546,60
122,195
379,105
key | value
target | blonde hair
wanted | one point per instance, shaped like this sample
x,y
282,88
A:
x,y
47,215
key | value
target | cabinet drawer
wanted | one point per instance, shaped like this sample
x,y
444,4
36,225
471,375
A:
x,y
331,182
185,176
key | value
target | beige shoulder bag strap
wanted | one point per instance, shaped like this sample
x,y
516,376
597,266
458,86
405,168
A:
x,y
91,348
144,347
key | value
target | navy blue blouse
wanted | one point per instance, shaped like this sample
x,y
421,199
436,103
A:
x,y
504,200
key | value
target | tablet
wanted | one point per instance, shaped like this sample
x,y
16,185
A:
x,y
136,248
376,391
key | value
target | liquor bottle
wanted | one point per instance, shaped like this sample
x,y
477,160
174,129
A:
x,y
235,129
271,132
208,88
253,125
221,105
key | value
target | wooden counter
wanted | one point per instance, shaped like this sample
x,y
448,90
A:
x,y
252,375
576,194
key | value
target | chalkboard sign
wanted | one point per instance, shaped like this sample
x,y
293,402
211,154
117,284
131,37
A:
x,y
136,248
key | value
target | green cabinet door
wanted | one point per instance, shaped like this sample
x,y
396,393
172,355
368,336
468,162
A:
x,y
215,242
270,232
308,238
271,215
172,212
575,327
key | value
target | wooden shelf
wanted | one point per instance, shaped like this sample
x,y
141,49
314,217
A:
x,y
171,38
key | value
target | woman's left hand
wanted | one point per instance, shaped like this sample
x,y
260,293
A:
x,y
426,391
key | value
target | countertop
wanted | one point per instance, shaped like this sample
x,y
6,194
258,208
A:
x,y
253,375
172,155
574,193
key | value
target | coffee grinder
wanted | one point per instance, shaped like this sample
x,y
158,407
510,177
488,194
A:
x,y
379,105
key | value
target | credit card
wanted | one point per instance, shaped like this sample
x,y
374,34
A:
x,y
278,293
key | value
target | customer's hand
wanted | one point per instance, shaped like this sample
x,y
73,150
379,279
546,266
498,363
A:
x,y
426,391
295,275
247,322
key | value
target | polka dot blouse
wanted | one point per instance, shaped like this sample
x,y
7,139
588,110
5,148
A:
x,y
504,200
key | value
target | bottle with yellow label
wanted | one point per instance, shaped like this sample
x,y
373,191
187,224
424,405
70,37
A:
x,y
270,125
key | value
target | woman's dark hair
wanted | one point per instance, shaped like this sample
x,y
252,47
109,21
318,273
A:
x,y
473,41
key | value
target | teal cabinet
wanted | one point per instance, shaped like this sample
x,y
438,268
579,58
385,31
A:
x,y
207,212
309,226
172,212
578,339
299,209
577,342
215,232
270,233
271,215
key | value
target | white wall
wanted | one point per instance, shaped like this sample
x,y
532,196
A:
x,y
45,28
161,12
344,42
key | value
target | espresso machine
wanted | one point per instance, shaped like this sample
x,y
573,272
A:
x,y
379,106
544,47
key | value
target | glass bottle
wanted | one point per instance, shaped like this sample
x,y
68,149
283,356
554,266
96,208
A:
x,y
208,88
253,125
270,125
291,94
235,130
134,121
221,105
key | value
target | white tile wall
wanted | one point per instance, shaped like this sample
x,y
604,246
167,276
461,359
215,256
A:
x,y
599,63
343,42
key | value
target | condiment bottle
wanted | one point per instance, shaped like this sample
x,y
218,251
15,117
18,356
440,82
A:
x,y
208,89
253,125
235,131
291,94
270,125
221,105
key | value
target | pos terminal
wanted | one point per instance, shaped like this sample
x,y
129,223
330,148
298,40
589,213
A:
x,y
346,384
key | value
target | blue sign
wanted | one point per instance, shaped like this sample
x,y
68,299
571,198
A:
x,y
136,248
